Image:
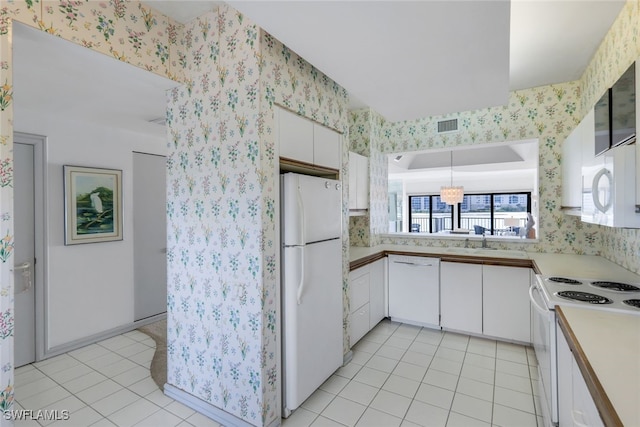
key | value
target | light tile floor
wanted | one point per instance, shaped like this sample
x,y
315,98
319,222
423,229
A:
x,y
103,384
403,375
400,375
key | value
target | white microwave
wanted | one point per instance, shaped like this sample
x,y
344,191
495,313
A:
x,y
609,189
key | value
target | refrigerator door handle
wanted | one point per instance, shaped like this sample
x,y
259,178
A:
x,y
301,283
301,210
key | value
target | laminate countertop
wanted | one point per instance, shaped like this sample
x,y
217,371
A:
x,y
549,264
606,346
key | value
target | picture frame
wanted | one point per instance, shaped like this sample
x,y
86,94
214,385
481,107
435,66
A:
x,y
93,204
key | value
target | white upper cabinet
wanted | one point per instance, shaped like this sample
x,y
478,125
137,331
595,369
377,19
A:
x,y
358,181
305,141
573,150
326,147
296,136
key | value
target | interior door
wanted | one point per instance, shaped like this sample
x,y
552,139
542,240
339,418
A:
x,y
150,235
24,255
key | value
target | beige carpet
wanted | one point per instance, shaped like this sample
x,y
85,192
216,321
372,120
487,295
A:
x,y
158,331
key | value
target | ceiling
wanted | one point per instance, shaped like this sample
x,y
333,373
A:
x,y
87,86
75,87
497,157
413,59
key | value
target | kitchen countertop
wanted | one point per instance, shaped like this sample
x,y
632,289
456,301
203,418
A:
x,y
579,266
606,346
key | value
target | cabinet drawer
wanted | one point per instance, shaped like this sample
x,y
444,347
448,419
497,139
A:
x,y
359,290
359,324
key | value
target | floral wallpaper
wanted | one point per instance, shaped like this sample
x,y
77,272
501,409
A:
x,y
365,138
220,304
222,197
359,142
127,31
6,218
547,113
221,186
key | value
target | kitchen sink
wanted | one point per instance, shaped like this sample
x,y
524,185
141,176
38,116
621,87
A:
x,y
488,252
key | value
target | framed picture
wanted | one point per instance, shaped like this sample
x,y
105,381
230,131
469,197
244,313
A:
x,y
93,205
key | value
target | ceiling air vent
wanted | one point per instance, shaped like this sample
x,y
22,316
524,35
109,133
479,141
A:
x,y
448,126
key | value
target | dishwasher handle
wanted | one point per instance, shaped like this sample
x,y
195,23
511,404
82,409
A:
x,y
414,264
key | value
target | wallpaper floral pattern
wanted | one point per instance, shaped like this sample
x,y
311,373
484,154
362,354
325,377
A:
x,y
365,138
223,180
125,30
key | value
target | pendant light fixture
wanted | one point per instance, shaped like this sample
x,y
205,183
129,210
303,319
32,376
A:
x,y
451,195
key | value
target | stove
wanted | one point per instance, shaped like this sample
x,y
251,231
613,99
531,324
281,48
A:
x,y
603,294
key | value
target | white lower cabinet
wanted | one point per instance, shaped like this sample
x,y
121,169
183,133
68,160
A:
x,y
367,299
485,299
575,404
505,302
461,296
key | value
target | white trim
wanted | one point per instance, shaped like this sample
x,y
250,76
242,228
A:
x,y
205,408
82,342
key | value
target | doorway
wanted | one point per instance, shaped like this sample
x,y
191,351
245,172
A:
x,y
149,235
28,257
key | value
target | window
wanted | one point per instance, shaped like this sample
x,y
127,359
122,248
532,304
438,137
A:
x,y
428,214
493,213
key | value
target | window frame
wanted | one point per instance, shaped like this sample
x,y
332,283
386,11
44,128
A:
x,y
456,219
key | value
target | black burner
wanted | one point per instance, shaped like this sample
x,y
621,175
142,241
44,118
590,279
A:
x,y
632,302
615,286
585,297
564,280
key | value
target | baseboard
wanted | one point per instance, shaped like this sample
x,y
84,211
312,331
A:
x,y
83,342
347,358
205,408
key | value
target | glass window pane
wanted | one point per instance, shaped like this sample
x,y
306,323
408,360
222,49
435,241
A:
x,y
475,213
419,214
441,215
510,216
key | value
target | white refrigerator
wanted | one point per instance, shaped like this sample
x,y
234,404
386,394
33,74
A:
x,y
311,228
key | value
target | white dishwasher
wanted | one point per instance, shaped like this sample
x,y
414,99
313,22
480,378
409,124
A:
x,y
414,290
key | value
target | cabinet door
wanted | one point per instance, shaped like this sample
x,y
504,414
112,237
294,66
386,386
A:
x,y
353,180
376,292
506,308
327,147
359,287
461,296
359,324
572,169
584,411
362,193
295,136
565,386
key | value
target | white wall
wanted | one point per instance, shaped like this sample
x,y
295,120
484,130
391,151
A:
x,y
90,286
